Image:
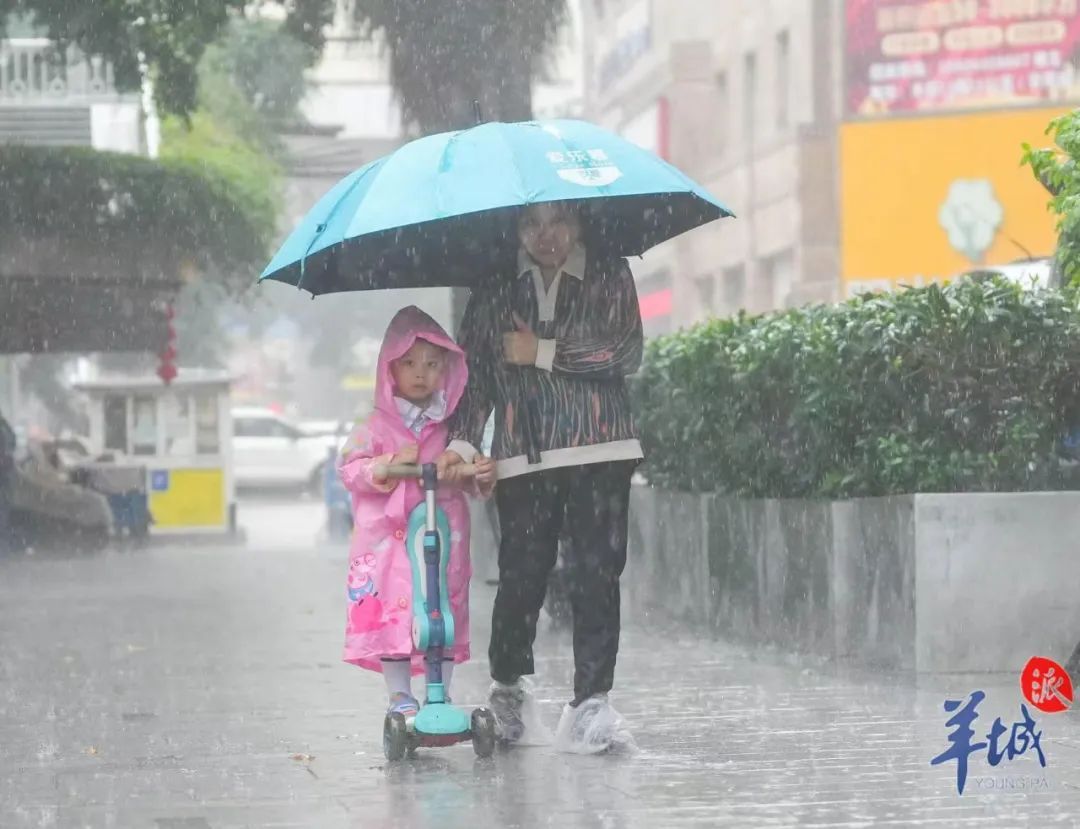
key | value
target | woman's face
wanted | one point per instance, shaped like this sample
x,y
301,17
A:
x,y
548,232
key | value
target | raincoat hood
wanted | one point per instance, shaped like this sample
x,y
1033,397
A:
x,y
409,325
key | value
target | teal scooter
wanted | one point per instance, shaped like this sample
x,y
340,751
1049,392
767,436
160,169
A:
x,y
438,723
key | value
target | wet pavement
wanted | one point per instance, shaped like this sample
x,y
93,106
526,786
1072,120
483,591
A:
x,y
199,685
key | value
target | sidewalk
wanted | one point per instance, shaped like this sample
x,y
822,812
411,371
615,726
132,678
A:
x,y
201,687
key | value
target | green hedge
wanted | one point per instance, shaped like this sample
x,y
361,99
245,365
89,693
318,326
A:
x,y
965,388
183,209
1058,169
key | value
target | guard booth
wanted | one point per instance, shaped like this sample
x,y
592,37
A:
x,y
180,436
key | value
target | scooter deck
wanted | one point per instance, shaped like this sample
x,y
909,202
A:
x,y
439,719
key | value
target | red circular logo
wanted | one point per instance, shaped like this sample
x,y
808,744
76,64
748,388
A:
x,y
1046,685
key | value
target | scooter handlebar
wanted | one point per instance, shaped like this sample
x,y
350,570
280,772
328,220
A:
x,y
401,471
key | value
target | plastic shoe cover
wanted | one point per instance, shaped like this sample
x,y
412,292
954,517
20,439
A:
x,y
592,728
521,701
506,702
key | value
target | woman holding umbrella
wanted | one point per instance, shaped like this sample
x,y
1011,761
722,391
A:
x,y
551,332
550,342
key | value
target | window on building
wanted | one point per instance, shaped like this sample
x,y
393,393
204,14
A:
x,y
706,295
734,288
207,436
723,103
783,79
116,432
779,274
144,425
749,97
177,425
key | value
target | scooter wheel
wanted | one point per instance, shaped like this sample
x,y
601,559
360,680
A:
x,y
395,737
483,732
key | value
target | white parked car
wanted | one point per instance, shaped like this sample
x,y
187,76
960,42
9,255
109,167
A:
x,y
324,427
1030,274
271,451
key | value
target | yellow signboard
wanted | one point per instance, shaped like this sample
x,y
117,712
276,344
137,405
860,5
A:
x,y
188,498
925,199
357,382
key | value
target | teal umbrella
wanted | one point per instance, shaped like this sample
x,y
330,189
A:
x,y
431,213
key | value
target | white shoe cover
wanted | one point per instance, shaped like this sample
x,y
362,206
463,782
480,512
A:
x,y
592,728
535,732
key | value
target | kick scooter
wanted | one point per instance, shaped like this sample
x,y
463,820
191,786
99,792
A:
x,y
438,723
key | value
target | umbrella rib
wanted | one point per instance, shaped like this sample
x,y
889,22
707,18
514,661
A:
x,y
321,227
444,165
525,194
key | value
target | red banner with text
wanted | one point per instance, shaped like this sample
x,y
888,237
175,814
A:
x,y
904,57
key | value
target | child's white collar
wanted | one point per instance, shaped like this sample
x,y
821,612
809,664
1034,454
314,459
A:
x,y
415,417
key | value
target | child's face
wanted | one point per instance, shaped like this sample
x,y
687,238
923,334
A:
x,y
418,373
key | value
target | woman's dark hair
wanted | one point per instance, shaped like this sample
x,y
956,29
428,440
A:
x,y
574,207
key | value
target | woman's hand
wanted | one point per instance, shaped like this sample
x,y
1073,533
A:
x,y
519,347
485,472
445,464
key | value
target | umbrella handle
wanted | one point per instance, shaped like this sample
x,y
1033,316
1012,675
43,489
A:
x,y
528,422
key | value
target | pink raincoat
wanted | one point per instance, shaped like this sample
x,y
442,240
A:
x,y
379,618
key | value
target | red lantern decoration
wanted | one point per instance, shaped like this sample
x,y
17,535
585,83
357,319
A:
x,y
166,368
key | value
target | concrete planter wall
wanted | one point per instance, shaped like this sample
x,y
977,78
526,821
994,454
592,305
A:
x,y
931,583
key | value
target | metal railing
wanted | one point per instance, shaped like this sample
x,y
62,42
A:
x,y
35,70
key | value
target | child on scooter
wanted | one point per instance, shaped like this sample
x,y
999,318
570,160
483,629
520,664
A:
x,y
420,378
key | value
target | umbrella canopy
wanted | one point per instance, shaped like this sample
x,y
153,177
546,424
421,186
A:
x,y
431,213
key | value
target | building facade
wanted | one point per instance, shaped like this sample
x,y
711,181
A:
x,y
58,98
862,144
71,101
741,96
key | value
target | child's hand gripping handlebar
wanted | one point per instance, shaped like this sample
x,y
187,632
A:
x,y
401,471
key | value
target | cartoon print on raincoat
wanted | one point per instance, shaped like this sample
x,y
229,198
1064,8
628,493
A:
x,y
379,588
